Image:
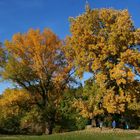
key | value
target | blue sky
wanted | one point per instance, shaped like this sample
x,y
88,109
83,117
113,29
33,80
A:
x,y
20,15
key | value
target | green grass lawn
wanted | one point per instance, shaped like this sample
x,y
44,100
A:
x,y
81,135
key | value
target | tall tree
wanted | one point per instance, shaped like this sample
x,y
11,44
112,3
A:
x,y
105,43
36,62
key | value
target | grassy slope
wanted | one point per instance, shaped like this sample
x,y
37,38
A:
x,y
80,135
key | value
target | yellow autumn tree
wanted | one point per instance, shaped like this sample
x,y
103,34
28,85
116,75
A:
x,y
13,103
19,113
105,43
36,62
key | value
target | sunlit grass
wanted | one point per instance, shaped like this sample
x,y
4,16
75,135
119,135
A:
x,y
80,135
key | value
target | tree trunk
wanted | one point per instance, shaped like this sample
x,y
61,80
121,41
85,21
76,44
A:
x,y
48,117
50,127
49,123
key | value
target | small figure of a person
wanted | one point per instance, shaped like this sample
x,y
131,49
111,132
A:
x,y
123,125
127,126
97,123
101,125
114,124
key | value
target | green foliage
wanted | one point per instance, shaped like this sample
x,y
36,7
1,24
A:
x,y
70,117
10,125
31,122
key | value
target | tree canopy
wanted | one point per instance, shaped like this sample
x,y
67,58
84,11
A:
x,y
36,62
105,43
